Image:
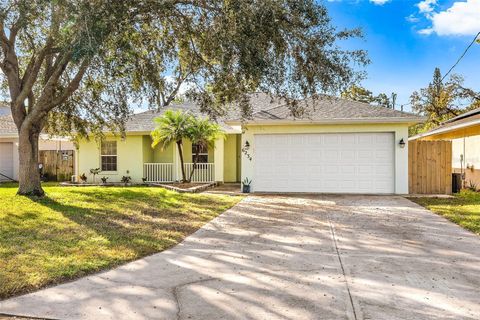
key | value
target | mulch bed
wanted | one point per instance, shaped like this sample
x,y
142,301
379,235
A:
x,y
186,187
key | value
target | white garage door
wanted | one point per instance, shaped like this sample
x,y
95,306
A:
x,y
329,163
6,160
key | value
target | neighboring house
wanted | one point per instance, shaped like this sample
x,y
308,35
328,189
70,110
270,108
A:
x,y
464,132
9,146
4,110
333,146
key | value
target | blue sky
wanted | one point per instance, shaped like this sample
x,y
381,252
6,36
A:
x,y
407,39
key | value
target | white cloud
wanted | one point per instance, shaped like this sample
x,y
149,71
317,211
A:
x,y
426,6
426,31
379,2
412,18
462,18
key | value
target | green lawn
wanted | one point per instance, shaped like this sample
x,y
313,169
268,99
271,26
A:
x,y
464,209
76,231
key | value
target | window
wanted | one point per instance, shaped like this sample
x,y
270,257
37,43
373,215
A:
x,y
202,153
109,156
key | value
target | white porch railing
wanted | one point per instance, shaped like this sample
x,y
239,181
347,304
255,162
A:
x,y
165,172
204,172
158,172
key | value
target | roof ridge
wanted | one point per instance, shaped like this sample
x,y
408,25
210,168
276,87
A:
x,y
342,99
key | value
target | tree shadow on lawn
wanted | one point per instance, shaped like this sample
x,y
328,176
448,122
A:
x,y
143,223
106,230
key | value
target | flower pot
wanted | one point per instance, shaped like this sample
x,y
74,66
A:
x,y
246,189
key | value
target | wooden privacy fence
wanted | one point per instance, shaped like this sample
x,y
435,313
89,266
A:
x,y
57,165
430,167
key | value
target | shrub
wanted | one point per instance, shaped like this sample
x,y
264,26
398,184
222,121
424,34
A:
x,y
83,178
126,179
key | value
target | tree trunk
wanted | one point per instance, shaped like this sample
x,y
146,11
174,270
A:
x,y
180,152
28,171
194,165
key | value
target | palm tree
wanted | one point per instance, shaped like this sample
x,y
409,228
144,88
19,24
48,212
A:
x,y
172,127
203,133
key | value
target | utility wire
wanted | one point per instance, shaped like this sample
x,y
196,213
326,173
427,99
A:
x,y
463,55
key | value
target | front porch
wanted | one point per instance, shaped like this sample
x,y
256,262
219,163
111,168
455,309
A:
x,y
218,164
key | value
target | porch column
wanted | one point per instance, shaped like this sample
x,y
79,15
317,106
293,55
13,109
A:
x,y
177,173
218,159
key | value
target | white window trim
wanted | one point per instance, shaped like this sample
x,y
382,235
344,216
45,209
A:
x,y
109,155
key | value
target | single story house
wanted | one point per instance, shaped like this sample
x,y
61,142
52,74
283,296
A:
x,y
464,132
9,146
332,146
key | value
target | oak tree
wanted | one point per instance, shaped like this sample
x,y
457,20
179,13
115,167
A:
x,y
77,66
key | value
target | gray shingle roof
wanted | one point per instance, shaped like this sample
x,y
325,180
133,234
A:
x,y
460,123
331,109
264,108
143,122
465,115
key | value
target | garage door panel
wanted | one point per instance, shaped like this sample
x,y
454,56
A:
x,y
366,138
384,170
346,169
340,163
314,139
383,155
348,139
365,170
331,140
331,155
6,160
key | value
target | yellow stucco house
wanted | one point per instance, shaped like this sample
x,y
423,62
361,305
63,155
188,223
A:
x,y
332,145
464,132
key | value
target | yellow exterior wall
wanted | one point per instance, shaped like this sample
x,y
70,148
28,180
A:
x,y
130,161
400,131
239,157
163,156
230,158
187,151
132,153
147,149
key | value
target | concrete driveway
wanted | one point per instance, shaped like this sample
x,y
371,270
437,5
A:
x,y
289,257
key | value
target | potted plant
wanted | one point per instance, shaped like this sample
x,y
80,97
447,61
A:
x,y
126,180
83,178
94,172
246,185
104,180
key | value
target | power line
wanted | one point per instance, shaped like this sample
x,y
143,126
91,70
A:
x,y
461,57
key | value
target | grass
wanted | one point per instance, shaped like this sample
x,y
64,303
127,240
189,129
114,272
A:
x,y
464,209
75,231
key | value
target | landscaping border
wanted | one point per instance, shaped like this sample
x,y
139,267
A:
x,y
196,189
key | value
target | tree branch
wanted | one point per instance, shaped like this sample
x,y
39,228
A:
x,y
73,85
10,68
167,100
31,73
